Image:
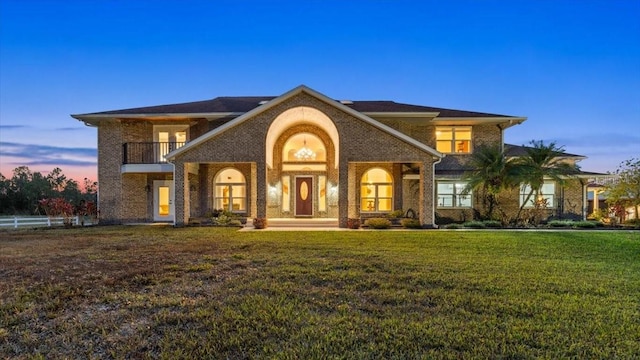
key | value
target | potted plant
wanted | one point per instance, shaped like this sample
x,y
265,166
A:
x,y
260,223
353,223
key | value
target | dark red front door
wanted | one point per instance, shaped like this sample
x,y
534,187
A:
x,y
304,194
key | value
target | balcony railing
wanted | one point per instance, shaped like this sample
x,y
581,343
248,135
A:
x,y
147,152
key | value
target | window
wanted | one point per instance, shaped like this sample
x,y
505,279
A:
x,y
168,138
230,191
451,194
546,196
376,191
286,197
304,147
453,139
322,193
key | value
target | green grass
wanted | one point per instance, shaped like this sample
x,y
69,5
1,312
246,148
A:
x,y
151,292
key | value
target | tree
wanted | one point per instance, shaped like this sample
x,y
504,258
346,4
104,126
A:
x,y
491,174
5,194
541,162
625,191
57,179
27,188
22,193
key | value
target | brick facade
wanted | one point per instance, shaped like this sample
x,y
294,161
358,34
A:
x,y
362,145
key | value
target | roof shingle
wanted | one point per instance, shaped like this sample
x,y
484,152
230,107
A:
x,y
243,104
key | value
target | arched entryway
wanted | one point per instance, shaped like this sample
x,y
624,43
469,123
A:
x,y
302,176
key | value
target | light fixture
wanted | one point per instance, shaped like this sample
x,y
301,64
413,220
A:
x,y
304,153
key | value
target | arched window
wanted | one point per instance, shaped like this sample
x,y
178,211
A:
x,y
376,191
230,191
304,147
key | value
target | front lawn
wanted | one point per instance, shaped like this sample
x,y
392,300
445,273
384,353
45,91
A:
x,y
138,292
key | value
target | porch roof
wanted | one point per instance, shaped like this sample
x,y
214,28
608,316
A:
x,y
520,150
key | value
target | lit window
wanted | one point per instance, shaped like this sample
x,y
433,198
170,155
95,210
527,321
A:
x,y
286,197
376,191
453,139
322,193
230,191
545,198
304,147
451,194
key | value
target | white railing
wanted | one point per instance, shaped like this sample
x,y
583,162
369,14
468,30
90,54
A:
x,y
41,221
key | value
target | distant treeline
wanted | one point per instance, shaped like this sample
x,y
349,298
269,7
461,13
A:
x,y
20,194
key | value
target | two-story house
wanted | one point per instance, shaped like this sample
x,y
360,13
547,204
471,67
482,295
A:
x,y
297,155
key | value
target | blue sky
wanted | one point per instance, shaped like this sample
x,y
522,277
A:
x,y
571,67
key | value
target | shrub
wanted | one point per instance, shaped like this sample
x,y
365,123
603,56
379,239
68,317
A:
x,y
378,223
222,220
395,214
632,223
411,223
584,224
235,222
443,220
492,224
560,223
474,225
453,226
58,207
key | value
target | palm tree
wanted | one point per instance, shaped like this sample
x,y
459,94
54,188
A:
x,y
541,162
491,174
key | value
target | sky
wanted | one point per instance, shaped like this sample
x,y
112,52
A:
x,y
571,67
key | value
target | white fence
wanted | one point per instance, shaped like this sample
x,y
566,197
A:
x,y
41,221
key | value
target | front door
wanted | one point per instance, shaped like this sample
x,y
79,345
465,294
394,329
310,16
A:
x,y
304,196
163,209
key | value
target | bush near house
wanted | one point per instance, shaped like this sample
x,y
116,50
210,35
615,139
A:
x,y
632,223
493,224
378,223
474,225
411,223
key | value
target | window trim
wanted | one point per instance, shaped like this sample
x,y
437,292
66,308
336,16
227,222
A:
x,y
523,194
376,199
453,140
230,196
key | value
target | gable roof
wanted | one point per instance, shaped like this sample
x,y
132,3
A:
x,y
300,89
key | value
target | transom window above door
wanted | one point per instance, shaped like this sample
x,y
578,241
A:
x,y
304,147
453,139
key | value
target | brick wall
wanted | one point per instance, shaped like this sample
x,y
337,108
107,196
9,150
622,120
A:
x,y
359,142
109,179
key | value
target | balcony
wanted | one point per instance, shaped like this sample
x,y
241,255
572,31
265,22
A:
x,y
147,152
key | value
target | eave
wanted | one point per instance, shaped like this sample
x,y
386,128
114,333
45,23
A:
x,y
507,121
94,119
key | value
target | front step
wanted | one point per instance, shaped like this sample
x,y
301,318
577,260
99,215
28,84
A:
x,y
303,223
